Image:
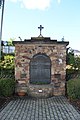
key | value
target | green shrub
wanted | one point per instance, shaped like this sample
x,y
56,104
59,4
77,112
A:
x,y
72,73
7,62
73,88
7,87
7,73
7,67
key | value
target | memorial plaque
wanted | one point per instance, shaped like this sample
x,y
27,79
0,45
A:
x,y
40,69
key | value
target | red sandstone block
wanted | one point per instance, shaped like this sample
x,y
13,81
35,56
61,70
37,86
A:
x,y
18,75
63,77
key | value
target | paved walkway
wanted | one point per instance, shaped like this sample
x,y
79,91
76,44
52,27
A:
x,y
55,108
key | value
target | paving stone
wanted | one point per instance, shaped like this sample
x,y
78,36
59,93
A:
x,y
55,108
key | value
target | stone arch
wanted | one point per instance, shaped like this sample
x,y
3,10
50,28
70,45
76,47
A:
x,y
40,69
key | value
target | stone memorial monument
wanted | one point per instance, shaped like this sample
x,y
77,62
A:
x,y
40,66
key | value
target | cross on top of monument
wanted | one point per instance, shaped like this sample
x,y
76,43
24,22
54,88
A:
x,y
40,30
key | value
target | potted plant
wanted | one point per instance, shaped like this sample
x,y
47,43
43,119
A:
x,y
21,93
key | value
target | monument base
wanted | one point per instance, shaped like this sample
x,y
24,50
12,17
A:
x,y
40,91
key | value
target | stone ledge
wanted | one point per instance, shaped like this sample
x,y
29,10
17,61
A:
x,y
40,91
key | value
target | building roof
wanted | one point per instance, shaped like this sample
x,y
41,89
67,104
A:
x,y
41,40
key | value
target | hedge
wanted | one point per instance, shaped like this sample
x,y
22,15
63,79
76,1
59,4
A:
x,y
73,88
7,73
7,87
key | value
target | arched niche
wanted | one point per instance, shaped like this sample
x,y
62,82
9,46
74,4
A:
x,y
40,69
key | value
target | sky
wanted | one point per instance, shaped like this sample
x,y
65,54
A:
x,y
58,17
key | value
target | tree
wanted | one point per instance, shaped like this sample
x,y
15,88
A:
x,y
70,56
7,62
10,41
73,64
2,13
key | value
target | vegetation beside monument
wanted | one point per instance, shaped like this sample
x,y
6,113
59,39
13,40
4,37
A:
x,y
73,75
73,79
7,87
7,81
7,67
73,65
73,88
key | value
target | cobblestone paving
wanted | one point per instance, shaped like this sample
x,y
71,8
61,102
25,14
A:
x,y
55,108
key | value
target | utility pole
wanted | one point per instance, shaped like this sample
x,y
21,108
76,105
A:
x,y
2,13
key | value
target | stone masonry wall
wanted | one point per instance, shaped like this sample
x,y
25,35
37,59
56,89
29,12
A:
x,y
57,54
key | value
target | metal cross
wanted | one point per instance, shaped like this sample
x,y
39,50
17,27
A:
x,y
40,29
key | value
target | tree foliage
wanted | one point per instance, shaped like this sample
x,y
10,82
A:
x,y
7,62
70,57
10,42
73,63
